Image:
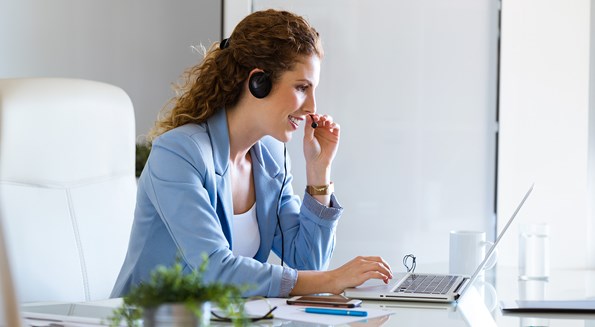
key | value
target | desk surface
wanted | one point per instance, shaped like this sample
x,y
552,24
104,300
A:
x,y
478,308
562,285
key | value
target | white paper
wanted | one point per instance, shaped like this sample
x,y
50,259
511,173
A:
x,y
296,312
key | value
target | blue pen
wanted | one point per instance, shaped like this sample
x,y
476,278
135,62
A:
x,y
339,312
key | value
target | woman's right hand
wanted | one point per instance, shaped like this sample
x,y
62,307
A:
x,y
351,274
359,270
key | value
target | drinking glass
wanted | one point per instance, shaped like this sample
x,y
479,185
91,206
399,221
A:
x,y
534,251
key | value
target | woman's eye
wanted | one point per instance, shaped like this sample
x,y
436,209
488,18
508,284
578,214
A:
x,y
302,88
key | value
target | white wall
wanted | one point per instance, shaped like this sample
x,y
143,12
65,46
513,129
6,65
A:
x,y
591,159
142,46
544,105
413,85
233,12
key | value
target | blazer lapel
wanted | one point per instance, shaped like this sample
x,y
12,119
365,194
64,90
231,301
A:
x,y
219,136
267,180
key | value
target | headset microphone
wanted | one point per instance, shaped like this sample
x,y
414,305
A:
x,y
314,124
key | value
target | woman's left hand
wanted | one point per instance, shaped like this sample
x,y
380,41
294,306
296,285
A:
x,y
320,147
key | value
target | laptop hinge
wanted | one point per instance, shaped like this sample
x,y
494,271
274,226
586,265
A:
x,y
463,282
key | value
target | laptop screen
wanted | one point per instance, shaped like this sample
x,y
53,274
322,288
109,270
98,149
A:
x,y
493,247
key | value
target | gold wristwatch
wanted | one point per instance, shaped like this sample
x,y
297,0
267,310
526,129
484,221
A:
x,y
320,189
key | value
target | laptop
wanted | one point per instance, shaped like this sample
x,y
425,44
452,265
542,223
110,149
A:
x,y
428,287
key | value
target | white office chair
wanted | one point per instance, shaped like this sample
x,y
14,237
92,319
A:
x,y
9,307
67,185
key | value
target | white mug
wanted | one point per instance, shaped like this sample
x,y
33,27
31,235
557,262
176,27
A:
x,y
467,251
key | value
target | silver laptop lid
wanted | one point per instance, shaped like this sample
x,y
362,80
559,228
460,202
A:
x,y
493,247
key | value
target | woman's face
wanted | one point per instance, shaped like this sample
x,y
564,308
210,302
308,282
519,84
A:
x,y
292,98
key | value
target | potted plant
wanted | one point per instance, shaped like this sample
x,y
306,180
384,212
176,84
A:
x,y
142,154
172,298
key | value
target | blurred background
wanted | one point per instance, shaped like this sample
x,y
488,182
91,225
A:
x,y
449,110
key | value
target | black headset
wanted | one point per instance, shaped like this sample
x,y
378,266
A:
x,y
260,84
279,203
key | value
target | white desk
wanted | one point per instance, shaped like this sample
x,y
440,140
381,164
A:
x,y
468,313
403,314
562,285
472,311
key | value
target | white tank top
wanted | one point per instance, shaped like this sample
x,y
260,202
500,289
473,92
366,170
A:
x,y
245,233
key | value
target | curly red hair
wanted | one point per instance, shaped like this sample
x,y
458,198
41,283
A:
x,y
270,40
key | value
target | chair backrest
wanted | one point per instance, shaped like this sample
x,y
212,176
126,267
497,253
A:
x,y
9,307
67,185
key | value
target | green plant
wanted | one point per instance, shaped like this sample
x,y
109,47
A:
x,y
142,154
169,285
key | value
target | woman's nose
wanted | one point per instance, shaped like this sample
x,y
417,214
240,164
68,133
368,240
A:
x,y
310,104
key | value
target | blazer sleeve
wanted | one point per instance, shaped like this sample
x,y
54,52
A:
x,y
308,226
182,186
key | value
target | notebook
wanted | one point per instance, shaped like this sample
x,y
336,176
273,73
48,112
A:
x,y
65,314
548,306
428,287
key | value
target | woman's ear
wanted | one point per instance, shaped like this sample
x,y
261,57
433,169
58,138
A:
x,y
259,83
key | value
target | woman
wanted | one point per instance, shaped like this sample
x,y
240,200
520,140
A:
x,y
217,179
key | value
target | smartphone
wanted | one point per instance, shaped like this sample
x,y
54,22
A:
x,y
325,300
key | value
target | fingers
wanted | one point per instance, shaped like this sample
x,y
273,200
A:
x,y
363,268
372,274
320,143
324,122
377,268
378,264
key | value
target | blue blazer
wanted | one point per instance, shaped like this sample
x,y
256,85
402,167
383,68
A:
x,y
184,208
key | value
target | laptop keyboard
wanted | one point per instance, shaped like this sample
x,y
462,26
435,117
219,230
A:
x,y
426,284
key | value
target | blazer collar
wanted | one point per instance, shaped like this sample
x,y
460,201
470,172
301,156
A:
x,y
219,134
264,159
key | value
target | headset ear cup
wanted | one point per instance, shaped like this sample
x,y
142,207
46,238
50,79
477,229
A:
x,y
260,85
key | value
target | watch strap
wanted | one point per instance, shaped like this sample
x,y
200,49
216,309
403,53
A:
x,y
320,189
